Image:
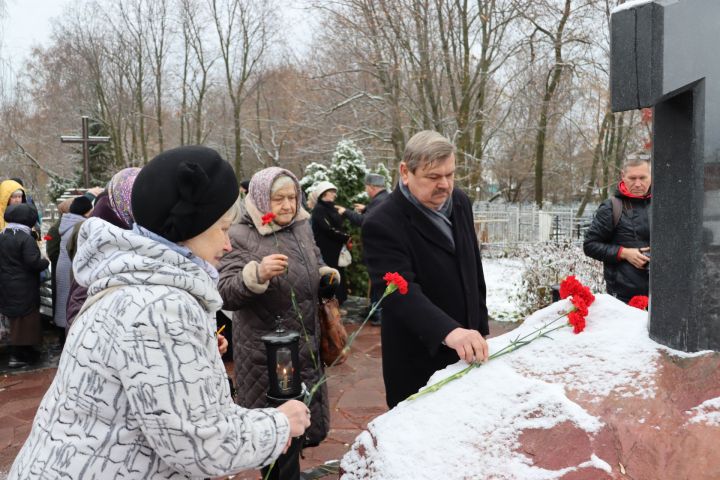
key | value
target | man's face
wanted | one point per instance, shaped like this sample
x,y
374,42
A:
x,y
431,185
372,190
637,179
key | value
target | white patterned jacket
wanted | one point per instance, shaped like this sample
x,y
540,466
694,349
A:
x,y
141,391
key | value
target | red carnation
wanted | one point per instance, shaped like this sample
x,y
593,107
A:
x,y
639,301
47,238
395,279
579,325
569,286
268,218
580,305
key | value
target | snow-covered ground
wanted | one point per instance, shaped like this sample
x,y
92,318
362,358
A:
x,y
473,424
502,279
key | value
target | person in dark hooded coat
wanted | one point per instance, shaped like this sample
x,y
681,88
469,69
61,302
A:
x,y
20,267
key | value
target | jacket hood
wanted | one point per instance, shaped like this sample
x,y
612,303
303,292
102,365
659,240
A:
x,y
7,187
24,214
68,221
108,256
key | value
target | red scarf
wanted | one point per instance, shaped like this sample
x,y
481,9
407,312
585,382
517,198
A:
x,y
626,193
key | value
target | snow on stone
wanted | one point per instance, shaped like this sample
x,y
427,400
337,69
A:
x,y
630,4
503,277
472,425
707,412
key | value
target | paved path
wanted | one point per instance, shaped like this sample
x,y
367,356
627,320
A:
x,y
357,395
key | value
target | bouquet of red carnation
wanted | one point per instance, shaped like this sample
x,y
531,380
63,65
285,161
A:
x,y
639,301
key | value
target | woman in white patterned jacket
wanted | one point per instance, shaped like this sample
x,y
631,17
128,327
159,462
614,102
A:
x,y
141,391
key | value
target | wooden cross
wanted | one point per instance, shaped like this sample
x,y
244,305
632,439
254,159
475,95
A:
x,y
664,55
86,141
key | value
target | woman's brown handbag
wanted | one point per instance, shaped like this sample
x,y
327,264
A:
x,y
333,336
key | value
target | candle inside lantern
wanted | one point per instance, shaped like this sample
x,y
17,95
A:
x,y
284,369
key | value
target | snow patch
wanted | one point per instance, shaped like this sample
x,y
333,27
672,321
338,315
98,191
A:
x,y
630,4
707,412
503,277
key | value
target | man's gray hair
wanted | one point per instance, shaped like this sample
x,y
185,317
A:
x,y
425,148
637,159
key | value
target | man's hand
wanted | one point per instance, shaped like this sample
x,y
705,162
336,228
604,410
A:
x,y
635,256
469,344
272,266
95,190
341,210
359,207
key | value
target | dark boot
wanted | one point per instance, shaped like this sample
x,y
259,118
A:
x,y
15,360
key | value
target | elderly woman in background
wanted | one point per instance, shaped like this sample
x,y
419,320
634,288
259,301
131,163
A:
x,y
327,226
267,261
141,391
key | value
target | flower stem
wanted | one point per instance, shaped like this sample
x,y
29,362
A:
x,y
519,342
350,341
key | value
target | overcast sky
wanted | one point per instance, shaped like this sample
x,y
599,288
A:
x,y
28,24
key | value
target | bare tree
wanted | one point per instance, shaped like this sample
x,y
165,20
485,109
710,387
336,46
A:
x,y
245,31
158,44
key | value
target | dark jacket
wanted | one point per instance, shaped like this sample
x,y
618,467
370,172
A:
x,y
327,227
258,306
603,241
358,218
20,265
446,288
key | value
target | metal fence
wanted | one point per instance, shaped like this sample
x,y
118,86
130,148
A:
x,y
506,224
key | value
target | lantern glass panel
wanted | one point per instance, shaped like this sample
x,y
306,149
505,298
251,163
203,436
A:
x,y
284,369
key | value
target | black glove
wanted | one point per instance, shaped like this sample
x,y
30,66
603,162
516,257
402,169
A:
x,y
328,284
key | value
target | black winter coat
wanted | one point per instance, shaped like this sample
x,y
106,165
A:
x,y
358,218
327,227
20,265
446,288
603,241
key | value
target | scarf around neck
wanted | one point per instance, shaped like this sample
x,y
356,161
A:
x,y
18,226
440,218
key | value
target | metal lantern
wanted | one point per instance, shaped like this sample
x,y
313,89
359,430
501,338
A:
x,y
283,362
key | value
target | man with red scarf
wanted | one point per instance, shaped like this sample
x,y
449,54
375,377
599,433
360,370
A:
x,y
619,235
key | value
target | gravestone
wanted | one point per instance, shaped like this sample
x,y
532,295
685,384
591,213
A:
x,y
664,54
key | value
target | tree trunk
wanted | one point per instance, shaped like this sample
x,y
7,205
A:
x,y
597,152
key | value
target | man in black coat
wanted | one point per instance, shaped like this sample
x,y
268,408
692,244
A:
x,y
375,189
424,231
619,235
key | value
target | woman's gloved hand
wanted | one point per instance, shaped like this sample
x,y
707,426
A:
x,y
328,284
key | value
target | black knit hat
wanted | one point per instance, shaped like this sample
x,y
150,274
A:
x,y
182,192
23,213
81,205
